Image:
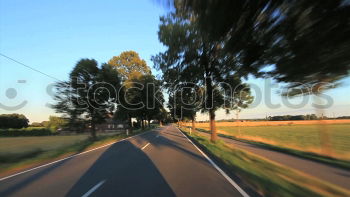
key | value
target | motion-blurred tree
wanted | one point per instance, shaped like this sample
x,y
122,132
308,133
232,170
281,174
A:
x,y
184,102
90,93
193,58
130,67
56,122
144,98
306,41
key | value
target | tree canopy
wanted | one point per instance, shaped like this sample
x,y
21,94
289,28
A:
x,y
129,64
192,58
307,42
90,92
15,121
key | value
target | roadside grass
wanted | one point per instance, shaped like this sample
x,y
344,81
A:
x,y
51,150
12,145
299,140
266,177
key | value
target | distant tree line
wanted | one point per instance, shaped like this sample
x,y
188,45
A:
x,y
53,123
124,88
293,117
343,117
13,121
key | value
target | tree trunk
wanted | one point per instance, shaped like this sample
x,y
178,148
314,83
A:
x,y
149,123
130,123
160,123
193,124
212,125
238,124
93,131
210,102
142,124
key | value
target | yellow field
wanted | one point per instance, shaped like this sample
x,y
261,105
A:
x,y
327,137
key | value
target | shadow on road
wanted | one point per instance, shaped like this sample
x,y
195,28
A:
x,y
126,170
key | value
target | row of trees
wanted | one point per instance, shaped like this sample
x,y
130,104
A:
x,y
215,43
54,123
199,74
124,87
294,117
141,93
16,121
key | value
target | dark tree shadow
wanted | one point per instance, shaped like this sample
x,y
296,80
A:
x,y
126,171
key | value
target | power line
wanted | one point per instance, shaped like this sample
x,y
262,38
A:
x,y
31,68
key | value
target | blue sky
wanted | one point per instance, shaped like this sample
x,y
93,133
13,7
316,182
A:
x,y
52,36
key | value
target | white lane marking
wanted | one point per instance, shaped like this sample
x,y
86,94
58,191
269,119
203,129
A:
x,y
234,184
144,146
93,189
19,173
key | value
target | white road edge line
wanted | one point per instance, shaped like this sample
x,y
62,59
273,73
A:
x,y
144,146
44,165
234,184
93,189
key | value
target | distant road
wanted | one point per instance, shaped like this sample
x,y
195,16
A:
x,y
334,175
158,163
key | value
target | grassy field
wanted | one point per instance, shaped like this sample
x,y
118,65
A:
x,y
12,145
266,177
304,138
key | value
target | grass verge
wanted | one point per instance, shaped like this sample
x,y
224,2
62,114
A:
x,y
12,163
266,177
307,155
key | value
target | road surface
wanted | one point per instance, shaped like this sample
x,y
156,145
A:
x,y
157,163
334,175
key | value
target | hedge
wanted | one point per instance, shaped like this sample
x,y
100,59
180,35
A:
x,y
26,132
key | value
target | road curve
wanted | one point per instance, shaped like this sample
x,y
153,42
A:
x,y
158,163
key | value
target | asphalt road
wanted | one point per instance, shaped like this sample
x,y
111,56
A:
x,y
334,175
158,163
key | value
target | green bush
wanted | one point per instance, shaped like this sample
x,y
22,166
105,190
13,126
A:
x,y
30,131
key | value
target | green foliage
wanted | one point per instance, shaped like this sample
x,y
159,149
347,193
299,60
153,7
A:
x,y
141,95
306,42
37,124
128,64
55,123
184,102
13,121
89,94
192,58
143,99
